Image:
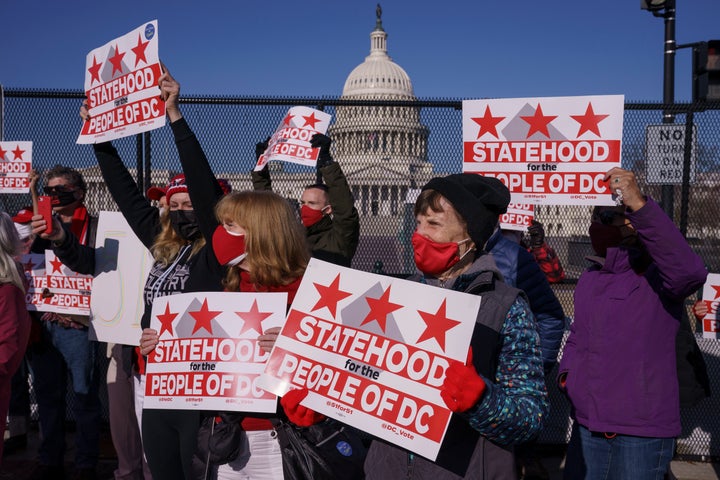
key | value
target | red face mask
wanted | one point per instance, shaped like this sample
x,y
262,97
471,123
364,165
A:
x,y
229,247
434,258
310,216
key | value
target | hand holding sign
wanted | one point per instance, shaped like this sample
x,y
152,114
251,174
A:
x,y
169,93
624,183
463,387
296,413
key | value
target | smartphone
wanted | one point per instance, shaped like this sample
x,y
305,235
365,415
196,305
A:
x,y
45,209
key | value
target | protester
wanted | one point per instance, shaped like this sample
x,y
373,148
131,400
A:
x,y
265,248
500,398
327,210
14,320
544,254
619,363
19,410
64,344
519,269
184,262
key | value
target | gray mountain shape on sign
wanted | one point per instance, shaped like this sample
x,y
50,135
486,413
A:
x,y
518,128
353,315
186,324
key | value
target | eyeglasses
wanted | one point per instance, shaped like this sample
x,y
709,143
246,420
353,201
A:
x,y
54,190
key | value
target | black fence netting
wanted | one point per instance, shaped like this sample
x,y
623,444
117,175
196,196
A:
x,y
388,148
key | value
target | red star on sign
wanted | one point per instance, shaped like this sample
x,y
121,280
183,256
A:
x,y
18,153
56,265
330,295
139,51
310,120
253,319
380,308
116,60
437,324
589,121
203,318
2,153
166,320
717,290
27,266
94,71
488,123
288,118
539,122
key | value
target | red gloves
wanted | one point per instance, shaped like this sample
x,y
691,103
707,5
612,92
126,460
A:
x,y
463,387
296,413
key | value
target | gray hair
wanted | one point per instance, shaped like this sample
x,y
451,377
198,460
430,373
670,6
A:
x,y
9,247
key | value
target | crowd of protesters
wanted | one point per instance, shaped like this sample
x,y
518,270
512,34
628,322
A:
x,y
618,369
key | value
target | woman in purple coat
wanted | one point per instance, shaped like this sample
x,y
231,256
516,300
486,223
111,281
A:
x,y
618,367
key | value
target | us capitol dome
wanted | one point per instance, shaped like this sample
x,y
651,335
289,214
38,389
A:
x,y
382,149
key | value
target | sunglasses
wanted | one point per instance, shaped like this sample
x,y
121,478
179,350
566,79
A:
x,y
54,190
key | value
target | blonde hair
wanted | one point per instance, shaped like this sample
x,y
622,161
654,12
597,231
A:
x,y
168,243
10,246
275,242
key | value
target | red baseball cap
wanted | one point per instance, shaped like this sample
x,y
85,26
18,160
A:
x,y
24,215
156,193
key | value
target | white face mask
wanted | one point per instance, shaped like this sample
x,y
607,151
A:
x,y
162,210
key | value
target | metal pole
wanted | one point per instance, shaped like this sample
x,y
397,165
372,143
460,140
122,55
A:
x,y
685,190
669,91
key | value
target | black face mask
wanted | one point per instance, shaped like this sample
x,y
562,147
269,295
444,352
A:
x,y
184,222
63,199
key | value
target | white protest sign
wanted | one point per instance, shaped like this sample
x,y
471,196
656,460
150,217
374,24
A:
x,y
291,140
665,147
34,268
15,166
121,266
552,150
66,292
209,356
518,217
121,86
372,350
711,297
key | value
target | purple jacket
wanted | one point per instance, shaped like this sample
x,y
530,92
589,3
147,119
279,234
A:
x,y
620,355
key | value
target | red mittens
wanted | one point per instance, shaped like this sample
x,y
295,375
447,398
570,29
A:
x,y
296,413
463,387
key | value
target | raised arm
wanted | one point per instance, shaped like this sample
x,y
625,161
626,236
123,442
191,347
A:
x,y
203,187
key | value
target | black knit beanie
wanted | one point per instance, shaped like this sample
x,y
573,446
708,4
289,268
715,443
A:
x,y
479,201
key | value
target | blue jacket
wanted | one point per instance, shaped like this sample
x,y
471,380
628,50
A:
x,y
619,359
520,270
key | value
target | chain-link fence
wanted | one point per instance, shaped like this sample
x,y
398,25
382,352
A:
x,y
430,131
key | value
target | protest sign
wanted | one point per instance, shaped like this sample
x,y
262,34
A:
x,y
208,356
372,350
15,166
552,150
518,217
34,267
121,266
121,86
291,140
66,292
711,297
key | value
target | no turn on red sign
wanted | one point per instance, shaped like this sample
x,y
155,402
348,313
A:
x,y
665,147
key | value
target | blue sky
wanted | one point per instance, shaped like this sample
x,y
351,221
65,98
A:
x,y
450,49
